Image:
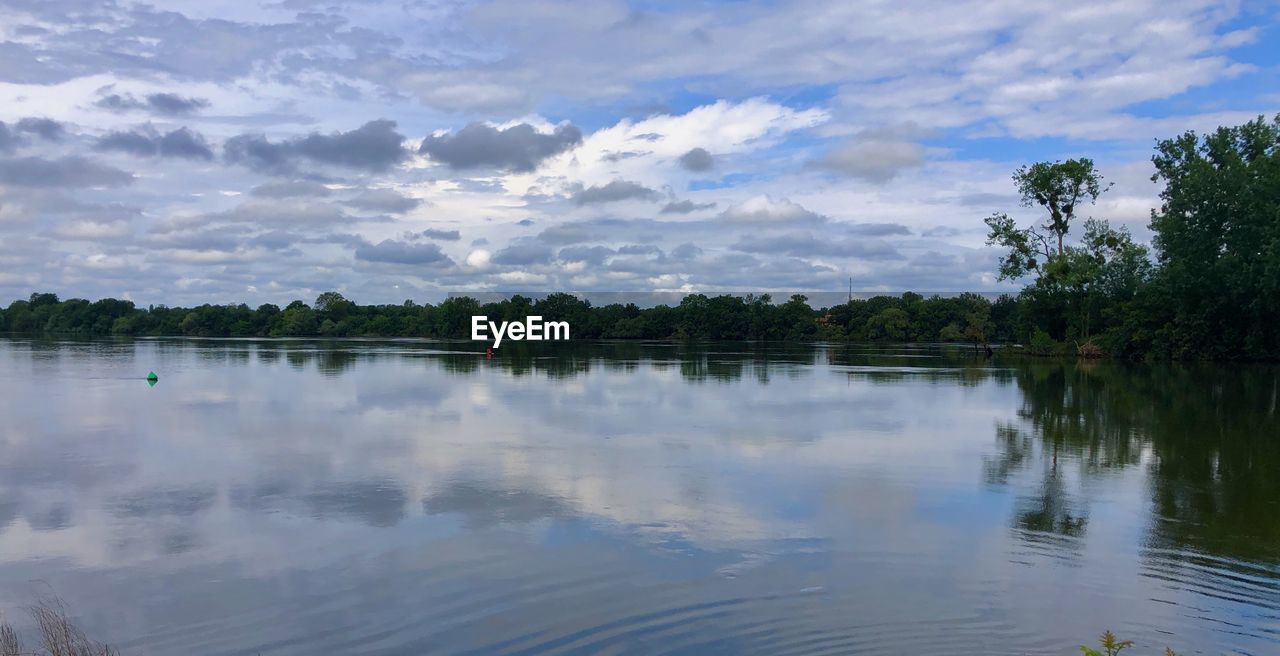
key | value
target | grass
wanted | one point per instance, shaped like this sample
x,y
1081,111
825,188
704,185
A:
x,y
58,636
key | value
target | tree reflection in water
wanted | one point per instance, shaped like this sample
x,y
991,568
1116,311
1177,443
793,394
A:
x,y
1208,436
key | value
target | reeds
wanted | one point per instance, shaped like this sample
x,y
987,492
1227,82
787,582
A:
x,y
10,645
58,636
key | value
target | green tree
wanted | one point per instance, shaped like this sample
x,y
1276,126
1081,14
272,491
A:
x,y
1059,188
977,328
1217,236
798,318
1104,270
1028,248
890,325
297,320
39,300
1056,187
454,317
333,305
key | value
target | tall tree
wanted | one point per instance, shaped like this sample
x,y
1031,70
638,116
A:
x,y
1217,233
1059,187
1076,286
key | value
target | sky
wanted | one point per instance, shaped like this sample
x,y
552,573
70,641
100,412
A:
x,y
226,151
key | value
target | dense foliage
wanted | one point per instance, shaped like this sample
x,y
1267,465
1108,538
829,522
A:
x,y
1211,291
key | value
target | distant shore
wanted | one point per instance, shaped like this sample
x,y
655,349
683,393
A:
x,y
987,326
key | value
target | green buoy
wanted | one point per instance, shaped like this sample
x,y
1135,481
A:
x,y
152,379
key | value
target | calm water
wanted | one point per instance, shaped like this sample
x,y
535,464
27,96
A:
x,y
409,498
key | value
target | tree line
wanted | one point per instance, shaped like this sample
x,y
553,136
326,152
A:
x,y
909,317
1208,289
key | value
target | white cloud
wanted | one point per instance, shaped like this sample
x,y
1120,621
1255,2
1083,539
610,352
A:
x,y
92,230
521,277
478,259
763,210
927,107
657,142
874,159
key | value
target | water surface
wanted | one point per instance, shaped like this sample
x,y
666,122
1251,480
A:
x,y
398,497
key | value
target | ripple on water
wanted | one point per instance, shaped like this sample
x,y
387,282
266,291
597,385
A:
x,y
468,599
485,601
1251,590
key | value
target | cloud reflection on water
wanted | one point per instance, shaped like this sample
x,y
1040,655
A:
x,y
847,470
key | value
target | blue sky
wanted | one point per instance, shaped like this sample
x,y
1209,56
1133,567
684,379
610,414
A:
x,y
223,151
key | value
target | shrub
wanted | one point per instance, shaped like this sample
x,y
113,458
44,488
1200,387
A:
x,y
1112,646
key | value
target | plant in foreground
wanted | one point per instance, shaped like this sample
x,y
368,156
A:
x,y
1111,646
58,636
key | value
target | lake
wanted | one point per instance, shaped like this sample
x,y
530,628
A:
x,y
407,497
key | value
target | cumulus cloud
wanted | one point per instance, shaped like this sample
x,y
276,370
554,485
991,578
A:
x,y
145,141
441,235
184,143
697,160
588,254
8,140
685,207
374,147
522,254
935,260
11,137
940,231
383,200
803,244
620,156
391,251
519,148
290,189
686,251
790,117
451,91
45,128
206,238
658,142
522,277
878,229
479,258
764,210
568,233
614,191
70,171
875,155
639,249
89,230
21,205
172,104
165,104
274,213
